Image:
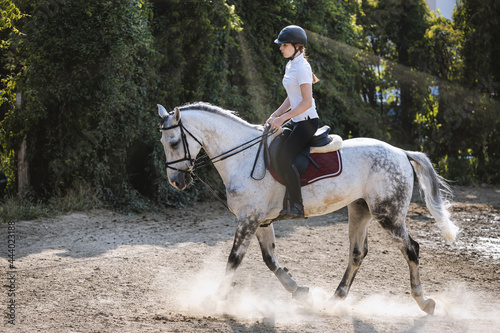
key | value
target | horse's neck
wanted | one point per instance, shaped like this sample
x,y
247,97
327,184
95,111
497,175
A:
x,y
219,134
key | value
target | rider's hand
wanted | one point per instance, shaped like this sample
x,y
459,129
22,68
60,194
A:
x,y
276,122
268,120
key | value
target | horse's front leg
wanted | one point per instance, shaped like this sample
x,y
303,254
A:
x,y
244,232
267,243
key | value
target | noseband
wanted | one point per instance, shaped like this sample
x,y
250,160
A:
x,y
185,145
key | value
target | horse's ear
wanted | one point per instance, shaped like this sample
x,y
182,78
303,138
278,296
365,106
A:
x,y
161,111
177,114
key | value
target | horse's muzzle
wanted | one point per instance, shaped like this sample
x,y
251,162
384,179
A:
x,y
180,180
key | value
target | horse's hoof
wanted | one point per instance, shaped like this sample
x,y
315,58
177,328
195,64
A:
x,y
429,306
301,294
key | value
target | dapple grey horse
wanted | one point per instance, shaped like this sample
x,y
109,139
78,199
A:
x,y
376,184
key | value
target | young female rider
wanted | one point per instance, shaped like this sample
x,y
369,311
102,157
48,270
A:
x,y
297,114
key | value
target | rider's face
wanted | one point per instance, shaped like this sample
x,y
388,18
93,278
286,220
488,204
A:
x,y
287,50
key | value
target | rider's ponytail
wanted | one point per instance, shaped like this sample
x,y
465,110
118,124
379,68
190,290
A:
x,y
302,49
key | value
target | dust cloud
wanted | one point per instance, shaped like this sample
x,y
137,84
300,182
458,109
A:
x,y
269,304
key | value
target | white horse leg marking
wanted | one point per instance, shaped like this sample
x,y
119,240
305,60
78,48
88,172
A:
x,y
359,218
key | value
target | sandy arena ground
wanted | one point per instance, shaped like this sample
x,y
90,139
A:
x,y
105,272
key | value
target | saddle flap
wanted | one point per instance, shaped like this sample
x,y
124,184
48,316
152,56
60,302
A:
x,y
301,161
273,151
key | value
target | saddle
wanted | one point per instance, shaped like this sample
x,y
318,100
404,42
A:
x,y
320,143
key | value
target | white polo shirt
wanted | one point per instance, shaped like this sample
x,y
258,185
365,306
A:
x,y
297,72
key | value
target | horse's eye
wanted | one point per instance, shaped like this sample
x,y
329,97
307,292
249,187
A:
x,y
174,144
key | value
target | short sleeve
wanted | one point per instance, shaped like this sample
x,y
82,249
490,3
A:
x,y
304,74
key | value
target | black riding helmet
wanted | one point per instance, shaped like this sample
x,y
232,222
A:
x,y
292,34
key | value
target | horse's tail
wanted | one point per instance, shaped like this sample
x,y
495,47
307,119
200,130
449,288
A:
x,y
435,190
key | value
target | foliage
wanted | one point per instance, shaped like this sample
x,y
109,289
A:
x,y
81,198
15,209
9,69
9,15
480,25
332,31
425,97
85,85
388,84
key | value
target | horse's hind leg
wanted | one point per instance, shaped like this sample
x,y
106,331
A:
x,y
267,244
410,249
359,218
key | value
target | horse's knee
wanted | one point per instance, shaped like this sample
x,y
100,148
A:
x,y
234,261
246,228
267,246
356,257
270,261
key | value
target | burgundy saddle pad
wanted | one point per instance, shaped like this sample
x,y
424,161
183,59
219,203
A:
x,y
330,165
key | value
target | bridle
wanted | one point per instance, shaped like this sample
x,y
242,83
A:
x,y
185,145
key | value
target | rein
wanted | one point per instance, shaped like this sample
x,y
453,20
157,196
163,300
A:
x,y
204,160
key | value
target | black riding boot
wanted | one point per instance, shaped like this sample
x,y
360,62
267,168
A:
x,y
292,205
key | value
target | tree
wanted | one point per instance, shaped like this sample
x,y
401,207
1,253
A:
x,y
10,68
391,27
9,16
480,24
85,83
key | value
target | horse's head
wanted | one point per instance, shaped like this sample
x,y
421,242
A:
x,y
180,146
